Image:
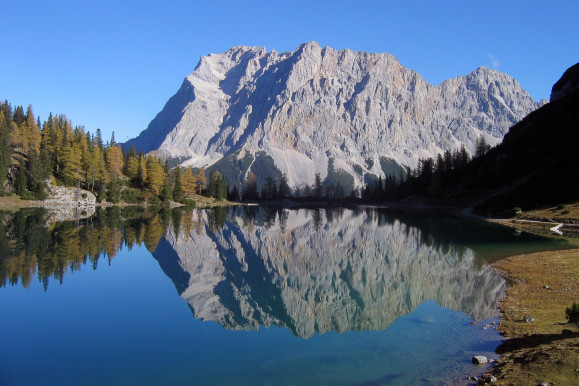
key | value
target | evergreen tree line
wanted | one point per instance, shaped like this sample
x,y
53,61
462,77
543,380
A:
x,y
32,152
431,177
277,190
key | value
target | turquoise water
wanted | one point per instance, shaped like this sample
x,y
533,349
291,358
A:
x,y
246,297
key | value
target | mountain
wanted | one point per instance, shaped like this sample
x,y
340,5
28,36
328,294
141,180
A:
x,y
351,116
323,270
536,163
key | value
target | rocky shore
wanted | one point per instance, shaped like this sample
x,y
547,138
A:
x,y
540,346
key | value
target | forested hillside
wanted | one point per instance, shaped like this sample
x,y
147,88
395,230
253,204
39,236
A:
x,y
54,151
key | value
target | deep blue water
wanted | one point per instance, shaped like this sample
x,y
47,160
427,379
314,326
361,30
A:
x,y
129,321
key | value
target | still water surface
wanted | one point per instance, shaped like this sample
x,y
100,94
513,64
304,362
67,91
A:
x,y
248,295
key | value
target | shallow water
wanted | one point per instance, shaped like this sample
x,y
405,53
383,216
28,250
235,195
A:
x,y
248,296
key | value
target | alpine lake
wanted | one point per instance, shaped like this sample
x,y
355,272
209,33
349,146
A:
x,y
249,295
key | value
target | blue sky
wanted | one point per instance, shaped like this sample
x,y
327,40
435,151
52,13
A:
x,y
113,64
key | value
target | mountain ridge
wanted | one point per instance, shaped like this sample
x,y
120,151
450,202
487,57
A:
x,y
307,107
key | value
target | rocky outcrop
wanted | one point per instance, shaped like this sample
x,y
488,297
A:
x,y
568,83
313,105
319,271
66,203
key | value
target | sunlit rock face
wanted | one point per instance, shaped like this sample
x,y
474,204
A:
x,y
319,271
305,107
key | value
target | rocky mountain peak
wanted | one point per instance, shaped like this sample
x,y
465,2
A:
x,y
322,110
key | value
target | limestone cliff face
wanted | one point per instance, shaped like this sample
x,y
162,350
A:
x,y
306,107
318,271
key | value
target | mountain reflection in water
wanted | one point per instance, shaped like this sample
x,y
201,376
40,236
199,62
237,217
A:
x,y
314,271
308,270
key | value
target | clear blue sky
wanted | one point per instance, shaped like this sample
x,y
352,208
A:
x,y
113,64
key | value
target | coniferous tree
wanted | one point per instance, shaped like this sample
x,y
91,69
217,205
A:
x,y
21,180
214,187
234,196
155,178
5,148
250,192
284,190
71,167
114,160
317,190
131,166
31,132
114,190
99,139
140,178
178,185
481,147
189,183
166,192
201,180
269,190
36,175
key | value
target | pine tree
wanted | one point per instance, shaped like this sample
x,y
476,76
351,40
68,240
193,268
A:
x,y
131,155
217,187
141,174
36,174
201,180
250,192
114,160
166,191
155,174
177,186
317,186
481,147
189,182
234,196
5,148
31,133
99,139
16,129
284,188
21,180
71,164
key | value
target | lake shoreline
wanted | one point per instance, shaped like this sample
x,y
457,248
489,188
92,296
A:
x,y
541,285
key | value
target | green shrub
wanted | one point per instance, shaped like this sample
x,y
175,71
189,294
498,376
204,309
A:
x,y
132,196
566,211
561,206
517,209
572,313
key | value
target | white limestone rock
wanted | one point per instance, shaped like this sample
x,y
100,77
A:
x,y
318,103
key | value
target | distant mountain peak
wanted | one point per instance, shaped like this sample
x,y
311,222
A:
x,y
317,109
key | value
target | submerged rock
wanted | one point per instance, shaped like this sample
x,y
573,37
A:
x,y
479,359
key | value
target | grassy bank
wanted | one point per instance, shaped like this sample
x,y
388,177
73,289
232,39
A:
x,y
542,285
540,221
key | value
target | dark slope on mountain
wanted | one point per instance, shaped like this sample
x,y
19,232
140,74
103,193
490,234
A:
x,y
537,163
